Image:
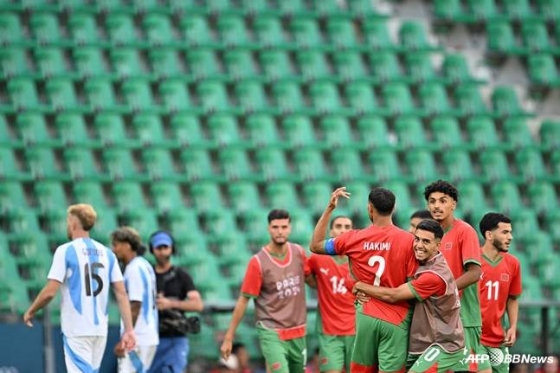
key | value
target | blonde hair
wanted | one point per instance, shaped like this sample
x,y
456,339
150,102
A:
x,y
85,214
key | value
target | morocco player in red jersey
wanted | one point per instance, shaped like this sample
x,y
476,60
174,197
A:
x,y
499,288
337,314
382,255
461,249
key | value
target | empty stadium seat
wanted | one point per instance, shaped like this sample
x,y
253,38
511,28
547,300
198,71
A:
x,y
346,164
271,164
281,195
261,130
494,165
310,164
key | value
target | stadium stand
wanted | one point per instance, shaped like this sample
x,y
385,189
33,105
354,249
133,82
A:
x,y
199,116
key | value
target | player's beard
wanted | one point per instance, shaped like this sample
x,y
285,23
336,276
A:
x,y
279,241
501,247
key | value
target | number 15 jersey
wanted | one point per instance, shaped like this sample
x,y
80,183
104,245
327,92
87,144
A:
x,y
86,270
382,256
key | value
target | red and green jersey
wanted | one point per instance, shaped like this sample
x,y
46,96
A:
x,y
336,302
460,246
500,280
428,284
381,256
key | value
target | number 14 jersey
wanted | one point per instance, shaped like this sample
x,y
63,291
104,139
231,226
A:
x,y
86,270
382,256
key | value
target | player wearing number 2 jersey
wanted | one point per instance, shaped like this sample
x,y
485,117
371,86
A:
x,y
337,315
380,255
499,288
84,269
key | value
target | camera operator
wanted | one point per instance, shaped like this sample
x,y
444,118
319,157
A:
x,y
176,295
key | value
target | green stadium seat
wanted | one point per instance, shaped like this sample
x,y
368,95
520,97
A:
x,y
275,64
42,163
50,62
421,165
542,197
243,196
549,9
281,195
314,194
100,96
449,10
549,132
298,131
517,9
302,226
179,220
349,65
384,165
446,132
419,67
158,30
81,164
137,95
89,192
144,221
412,36
128,197
538,246
482,10
362,8
309,164
62,96
325,98
372,132
120,164
535,36
126,63
10,168
292,7
223,130
240,64
404,205
346,164
359,191
33,130
149,130
110,130
551,221
505,196
218,223
457,165
23,94
516,132
326,8
106,223
336,131
159,165
482,132
120,30
11,30
14,61
548,272
385,66
212,96
251,96
473,200
23,221
195,30
455,69
234,164
532,289
542,70
165,63
174,95
82,28
271,163
409,131
340,31
269,33
166,196
49,195
376,34
469,100
12,197
434,100
505,101
305,32
501,38
233,32
233,250
257,7
185,130
261,130
360,96
398,99
313,65
45,29
197,165
89,62
494,165
525,223
530,164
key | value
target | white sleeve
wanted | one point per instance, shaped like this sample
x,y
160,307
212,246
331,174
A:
x,y
58,266
116,274
134,286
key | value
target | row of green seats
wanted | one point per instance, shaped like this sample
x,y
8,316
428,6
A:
x,y
534,35
543,70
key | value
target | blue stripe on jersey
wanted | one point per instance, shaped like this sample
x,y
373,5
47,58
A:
x,y
76,359
92,253
329,246
74,279
136,362
145,294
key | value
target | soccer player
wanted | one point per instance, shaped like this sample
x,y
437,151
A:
x,y
436,334
337,314
417,217
275,279
84,269
500,286
140,283
461,249
380,254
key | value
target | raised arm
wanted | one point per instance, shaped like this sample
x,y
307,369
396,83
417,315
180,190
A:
x,y
318,242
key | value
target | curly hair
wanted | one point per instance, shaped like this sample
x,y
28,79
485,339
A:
x,y
441,186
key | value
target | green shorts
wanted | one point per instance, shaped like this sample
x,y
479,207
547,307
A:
x,y
282,356
496,359
379,343
437,360
335,352
472,343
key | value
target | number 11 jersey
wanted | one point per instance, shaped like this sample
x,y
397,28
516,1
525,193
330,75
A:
x,y
86,270
382,256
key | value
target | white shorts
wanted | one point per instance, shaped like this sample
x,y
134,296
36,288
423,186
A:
x,y
83,354
137,361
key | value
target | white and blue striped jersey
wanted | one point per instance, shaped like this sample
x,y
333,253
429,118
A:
x,y
86,270
140,283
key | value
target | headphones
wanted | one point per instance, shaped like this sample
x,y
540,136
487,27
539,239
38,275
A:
x,y
161,232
